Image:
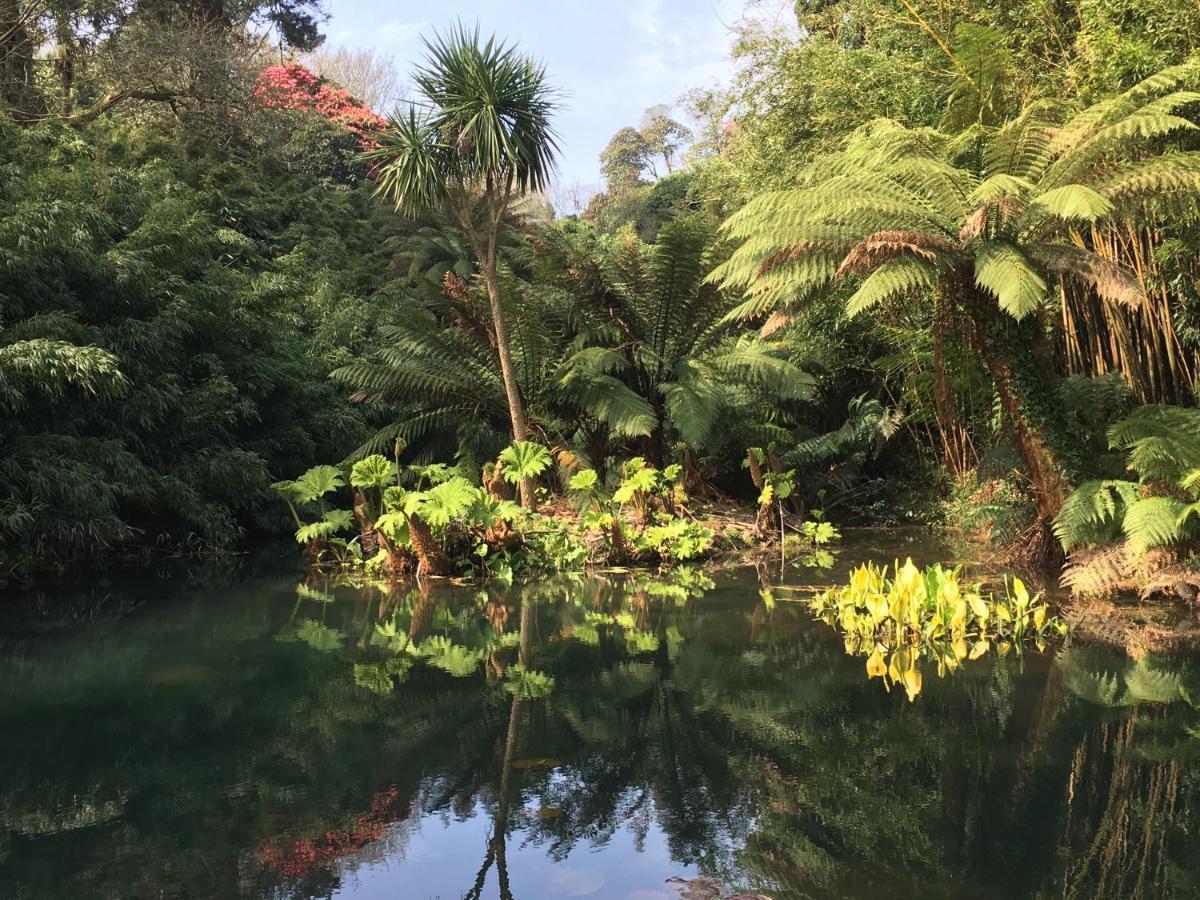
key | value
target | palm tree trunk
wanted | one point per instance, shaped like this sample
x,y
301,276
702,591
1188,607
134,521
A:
x,y
512,391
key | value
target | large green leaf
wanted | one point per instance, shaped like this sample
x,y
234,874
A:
x,y
524,459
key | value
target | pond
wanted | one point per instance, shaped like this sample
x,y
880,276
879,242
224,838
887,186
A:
x,y
233,734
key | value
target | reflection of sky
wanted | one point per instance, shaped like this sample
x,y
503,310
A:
x,y
612,60
441,858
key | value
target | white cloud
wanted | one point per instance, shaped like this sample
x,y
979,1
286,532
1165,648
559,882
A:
x,y
401,32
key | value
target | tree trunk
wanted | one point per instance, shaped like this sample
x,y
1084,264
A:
x,y
432,560
954,439
65,61
19,96
1049,486
516,407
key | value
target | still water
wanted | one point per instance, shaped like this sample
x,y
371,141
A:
x,y
237,735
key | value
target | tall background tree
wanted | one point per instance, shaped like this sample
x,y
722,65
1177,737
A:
x,y
483,142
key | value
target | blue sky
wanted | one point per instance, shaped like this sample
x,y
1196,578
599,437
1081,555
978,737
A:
x,y
611,59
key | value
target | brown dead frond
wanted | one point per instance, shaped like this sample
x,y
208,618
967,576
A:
x,y
775,322
1100,572
882,246
990,217
796,251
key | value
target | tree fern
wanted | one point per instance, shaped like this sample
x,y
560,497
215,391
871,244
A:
x,y
1156,522
1094,512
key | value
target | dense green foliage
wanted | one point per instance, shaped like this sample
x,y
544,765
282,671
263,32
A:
x,y
911,264
169,316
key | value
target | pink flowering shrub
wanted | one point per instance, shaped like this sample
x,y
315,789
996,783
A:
x,y
292,86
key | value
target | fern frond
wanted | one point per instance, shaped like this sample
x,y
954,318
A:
x,y
1110,281
892,279
1002,270
1163,441
998,186
1024,147
1093,511
1071,202
1080,157
693,404
756,363
1155,522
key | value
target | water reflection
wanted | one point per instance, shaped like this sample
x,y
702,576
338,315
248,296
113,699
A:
x,y
258,741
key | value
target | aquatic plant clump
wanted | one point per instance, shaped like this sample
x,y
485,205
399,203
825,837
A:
x,y
896,621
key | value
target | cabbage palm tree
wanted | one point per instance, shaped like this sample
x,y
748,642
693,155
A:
x,y
439,362
482,140
988,225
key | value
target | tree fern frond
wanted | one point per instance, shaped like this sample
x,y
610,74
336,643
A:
x,y
891,279
1163,442
980,92
1110,281
1072,203
1079,158
998,186
1002,270
1167,79
756,363
884,246
1176,173
1093,511
1025,146
693,404
1155,522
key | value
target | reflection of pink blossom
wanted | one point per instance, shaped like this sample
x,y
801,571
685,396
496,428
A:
x,y
291,86
304,855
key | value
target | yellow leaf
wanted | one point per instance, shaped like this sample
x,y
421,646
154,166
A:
x,y
1020,593
1039,617
960,648
877,606
876,667
980,648
978,607
912,682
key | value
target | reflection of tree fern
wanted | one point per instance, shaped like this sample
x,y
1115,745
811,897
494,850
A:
x,y
1107,677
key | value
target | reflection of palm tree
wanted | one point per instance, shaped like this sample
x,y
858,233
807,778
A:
x,y
497,844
